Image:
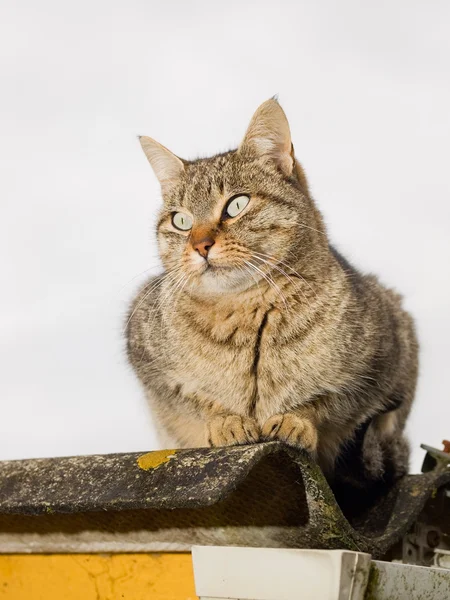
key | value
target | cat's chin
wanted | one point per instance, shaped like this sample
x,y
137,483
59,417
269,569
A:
x,y
220,280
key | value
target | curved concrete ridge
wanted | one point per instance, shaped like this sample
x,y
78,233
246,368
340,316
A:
x,y
267,492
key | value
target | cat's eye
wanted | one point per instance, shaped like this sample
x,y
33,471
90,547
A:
x,y
235,206
182,221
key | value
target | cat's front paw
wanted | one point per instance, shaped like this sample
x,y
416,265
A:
x,y
232,430
292,429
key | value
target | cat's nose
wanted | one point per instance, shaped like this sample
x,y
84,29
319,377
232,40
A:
x,y
203,246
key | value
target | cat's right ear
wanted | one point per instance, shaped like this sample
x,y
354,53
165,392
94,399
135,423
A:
x,y
167,167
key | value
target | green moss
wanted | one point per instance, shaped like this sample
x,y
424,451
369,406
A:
x,y
373,583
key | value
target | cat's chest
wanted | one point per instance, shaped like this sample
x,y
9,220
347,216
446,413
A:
x,y
243,360
214,356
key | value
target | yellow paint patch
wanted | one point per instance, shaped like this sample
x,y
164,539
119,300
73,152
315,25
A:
x,y
97,577
152,460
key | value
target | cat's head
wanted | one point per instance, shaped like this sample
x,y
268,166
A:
x,y
238,217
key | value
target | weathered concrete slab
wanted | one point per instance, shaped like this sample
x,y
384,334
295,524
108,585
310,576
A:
x,y
260,495
389,581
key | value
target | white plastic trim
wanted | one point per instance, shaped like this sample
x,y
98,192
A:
x,y
279,574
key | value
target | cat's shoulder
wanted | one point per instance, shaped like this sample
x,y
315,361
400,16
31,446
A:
x,y
368,286
355,277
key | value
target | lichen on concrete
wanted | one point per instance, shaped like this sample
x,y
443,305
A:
x,y
262,494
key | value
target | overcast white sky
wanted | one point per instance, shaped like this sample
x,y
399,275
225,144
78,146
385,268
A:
x,y
366,88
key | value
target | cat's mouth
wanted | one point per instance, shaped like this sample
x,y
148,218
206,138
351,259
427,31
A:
x,y
216,268
214,277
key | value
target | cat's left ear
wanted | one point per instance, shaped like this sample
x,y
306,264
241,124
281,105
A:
x,y
167,166
269,136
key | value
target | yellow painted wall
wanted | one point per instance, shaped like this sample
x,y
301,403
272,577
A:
x,y
96,577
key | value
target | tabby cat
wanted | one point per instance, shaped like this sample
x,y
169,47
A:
x,y
259,329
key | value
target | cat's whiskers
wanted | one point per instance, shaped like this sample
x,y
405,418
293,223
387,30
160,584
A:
x,y
280,270
241,254
269,281
294,272
274,262
172,284
168,277
179,292
136,276
178,289
246,270
347,276
152,286
313,229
